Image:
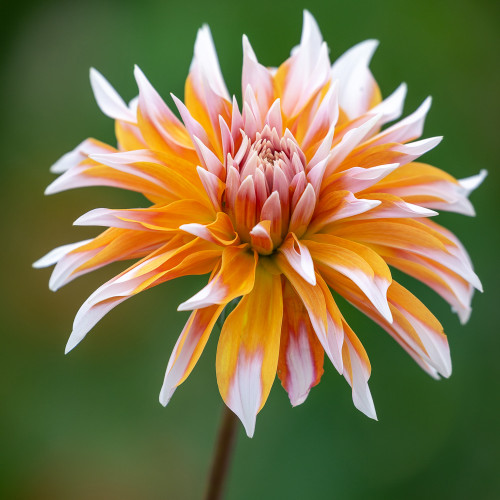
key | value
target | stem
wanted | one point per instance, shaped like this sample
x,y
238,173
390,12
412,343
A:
x,y
222,456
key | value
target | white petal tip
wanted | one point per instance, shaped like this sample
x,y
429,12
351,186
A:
x,y
70,345
249,427
166,395
50,189
298,400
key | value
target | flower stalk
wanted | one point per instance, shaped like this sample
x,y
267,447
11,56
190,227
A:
x,y
223,454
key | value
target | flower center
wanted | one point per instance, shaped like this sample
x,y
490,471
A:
x,y
265,179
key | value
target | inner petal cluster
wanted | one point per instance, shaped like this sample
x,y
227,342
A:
x,y
265,180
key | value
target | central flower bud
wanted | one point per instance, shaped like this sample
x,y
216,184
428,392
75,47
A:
x,y
267,188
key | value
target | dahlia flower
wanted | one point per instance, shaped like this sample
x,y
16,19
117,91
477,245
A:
x,y
296,192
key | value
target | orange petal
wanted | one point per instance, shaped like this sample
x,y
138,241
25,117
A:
x,y
261,237
188,349
156,218
173,260
357,371
248,350
358,263
221,231
235,278
159,126
312,296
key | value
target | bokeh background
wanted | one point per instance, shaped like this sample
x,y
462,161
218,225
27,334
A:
x,y
89,425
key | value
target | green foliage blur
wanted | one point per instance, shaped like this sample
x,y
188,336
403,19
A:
x,y
89,425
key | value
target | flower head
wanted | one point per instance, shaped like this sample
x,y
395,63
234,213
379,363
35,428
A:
x,y
294,193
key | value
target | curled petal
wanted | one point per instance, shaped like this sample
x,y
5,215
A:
x,y
221,231
299,258
312,296
261,237
235,278
419,237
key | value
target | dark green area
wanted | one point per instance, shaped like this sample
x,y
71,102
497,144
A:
x,y
88,425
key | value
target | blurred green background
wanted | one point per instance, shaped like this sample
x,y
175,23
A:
x,y
89,425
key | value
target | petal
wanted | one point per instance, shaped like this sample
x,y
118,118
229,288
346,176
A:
x,y
312,296
260,236
157,218
338,205
110,246
357,371
408,129
303,212
300,364
221,231
248,349
235,278
350,140
161,129
205,61
164,264
57,254
256,76
333,340
299,258
358,91
413,327
79,154
188,349
358,263
454,289
392,107
309,68
108,99
214,187
413,236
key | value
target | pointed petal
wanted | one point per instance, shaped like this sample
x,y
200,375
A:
x,y
392,107
152,270
78,155
300,364
357,371
161,129
165,218
256,76
188,349
109,100
303,212
359,264
358,91
248,350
